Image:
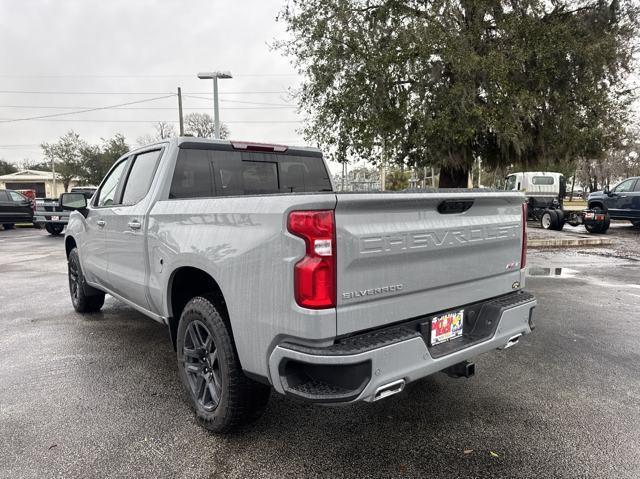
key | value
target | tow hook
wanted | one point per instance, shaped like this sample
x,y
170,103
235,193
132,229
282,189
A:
x,y
465,369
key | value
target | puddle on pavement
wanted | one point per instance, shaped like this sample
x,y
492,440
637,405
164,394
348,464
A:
x,y
551,272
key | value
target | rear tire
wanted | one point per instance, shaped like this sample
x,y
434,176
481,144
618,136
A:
x,y
54,230
8,226
636,224
548,220
220,394
82,302
560,220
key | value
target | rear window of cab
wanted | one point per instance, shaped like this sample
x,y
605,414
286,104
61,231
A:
x,y
207,173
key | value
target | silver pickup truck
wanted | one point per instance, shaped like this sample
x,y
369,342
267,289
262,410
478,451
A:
x,y
266,278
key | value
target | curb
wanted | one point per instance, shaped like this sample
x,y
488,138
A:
x,y
568,243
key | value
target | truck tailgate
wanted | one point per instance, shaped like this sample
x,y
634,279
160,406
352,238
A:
x,y
404,255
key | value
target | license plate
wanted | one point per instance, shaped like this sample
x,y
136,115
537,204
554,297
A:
x,y
55,218
446,327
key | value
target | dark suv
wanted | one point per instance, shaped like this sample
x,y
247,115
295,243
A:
x,y
14,208
622,201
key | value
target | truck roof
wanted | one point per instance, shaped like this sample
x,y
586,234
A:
x,y
192,142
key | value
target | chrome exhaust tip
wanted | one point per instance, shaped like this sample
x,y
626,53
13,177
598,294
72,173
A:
x,y
389,389
512,342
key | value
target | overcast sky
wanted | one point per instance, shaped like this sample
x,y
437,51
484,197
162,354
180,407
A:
x,y
139,50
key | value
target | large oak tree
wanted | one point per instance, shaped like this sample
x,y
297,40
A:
x,y
442,82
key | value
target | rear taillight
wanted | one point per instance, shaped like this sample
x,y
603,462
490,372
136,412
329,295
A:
x,y
315,274
523,256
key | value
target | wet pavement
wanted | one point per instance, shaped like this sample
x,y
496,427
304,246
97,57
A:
x,y
624,236
100,397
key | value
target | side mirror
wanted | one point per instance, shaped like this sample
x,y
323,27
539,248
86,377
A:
x,y
73,201
607,191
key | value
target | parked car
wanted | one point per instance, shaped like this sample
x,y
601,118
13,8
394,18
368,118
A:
x,y
267,278
14,208
622,202
50,216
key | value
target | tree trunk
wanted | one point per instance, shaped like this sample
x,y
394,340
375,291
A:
x,y
453,177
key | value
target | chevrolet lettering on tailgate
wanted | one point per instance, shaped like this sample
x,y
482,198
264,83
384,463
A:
x,y
437,239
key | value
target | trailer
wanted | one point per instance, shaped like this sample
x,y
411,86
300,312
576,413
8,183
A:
x,y
545,192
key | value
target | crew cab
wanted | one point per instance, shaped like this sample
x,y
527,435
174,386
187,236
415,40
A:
x,y
622,202
268,279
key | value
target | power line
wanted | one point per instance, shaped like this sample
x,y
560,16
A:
x,y
49,107
238,101
87,110
236,75
141,121
40,92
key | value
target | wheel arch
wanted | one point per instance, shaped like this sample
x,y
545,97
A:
x,y
185,283
69,244
596,204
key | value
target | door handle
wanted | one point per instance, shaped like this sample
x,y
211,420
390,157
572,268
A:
x,y
134,225
101,223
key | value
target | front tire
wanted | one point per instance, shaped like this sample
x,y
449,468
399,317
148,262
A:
x,y
54,229
222,397
82,302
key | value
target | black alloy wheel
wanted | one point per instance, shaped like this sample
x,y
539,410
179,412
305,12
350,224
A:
x,y
84,298
202,366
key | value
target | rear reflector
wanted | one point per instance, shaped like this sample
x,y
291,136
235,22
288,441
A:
x,y
523,256
315,274
243,145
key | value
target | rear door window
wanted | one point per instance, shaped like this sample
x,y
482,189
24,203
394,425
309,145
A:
x,y
140,177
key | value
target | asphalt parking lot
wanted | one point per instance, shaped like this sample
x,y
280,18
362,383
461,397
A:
x,y
100,397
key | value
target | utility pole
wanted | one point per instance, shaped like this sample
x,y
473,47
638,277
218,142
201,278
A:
x,y
180,111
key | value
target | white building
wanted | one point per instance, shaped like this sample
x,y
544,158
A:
x,y
40,181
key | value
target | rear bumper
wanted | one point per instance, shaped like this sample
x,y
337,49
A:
x,y
42,219
356,368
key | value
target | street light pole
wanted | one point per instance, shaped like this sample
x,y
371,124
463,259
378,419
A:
x,y
216,113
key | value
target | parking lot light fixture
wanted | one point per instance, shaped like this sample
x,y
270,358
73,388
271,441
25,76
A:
x,y
216,115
